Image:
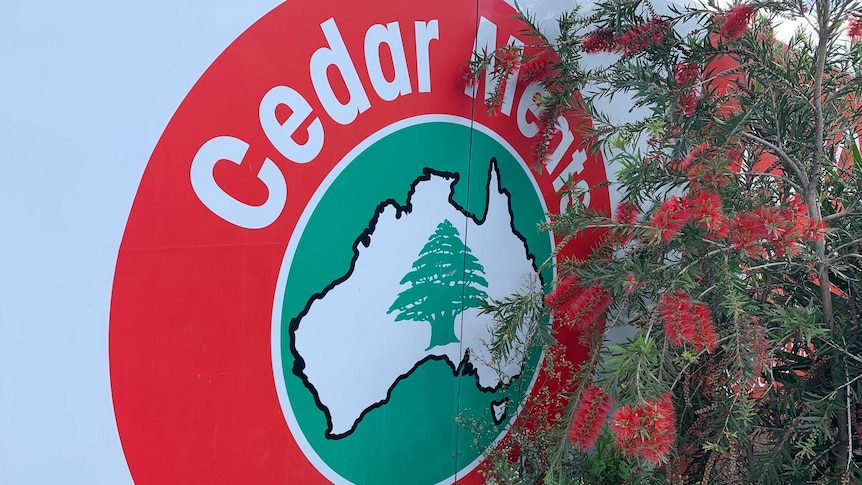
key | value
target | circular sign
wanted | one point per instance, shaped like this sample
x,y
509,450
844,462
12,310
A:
x,y
297,294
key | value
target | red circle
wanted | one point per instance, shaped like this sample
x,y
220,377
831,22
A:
x,y
190,356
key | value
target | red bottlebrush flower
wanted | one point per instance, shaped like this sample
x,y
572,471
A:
x,y
538,69
747,234
676,311
736,21
509,59
706,337
578,307
625,423
494,102
780,229
720,229
706,210
631,283
590,414
540,152
601,40
706,175
685,73
627,213
798,205
641,37
804,225
816,231
775,222
564,289
698,153
647,430
688,102
687,321
548,123
854,29
583,311
547,129
670,217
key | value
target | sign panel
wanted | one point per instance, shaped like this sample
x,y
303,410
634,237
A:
x,y
296,294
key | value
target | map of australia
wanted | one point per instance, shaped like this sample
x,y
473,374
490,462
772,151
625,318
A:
x,y
412,295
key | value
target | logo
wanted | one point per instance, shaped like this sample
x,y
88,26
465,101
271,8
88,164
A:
x,y
298,291
389,344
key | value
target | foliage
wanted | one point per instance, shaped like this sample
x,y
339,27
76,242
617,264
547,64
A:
x,y
734,258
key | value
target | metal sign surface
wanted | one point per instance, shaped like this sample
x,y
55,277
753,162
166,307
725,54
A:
x,y
295,296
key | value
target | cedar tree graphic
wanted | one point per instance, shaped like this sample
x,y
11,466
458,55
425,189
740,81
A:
x,y
445,281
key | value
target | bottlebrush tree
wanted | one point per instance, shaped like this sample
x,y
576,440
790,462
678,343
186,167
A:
x,y
734,260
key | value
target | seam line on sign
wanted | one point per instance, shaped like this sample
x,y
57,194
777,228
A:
x,y
466,238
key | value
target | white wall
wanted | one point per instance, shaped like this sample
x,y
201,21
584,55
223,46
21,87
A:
x,y
86,89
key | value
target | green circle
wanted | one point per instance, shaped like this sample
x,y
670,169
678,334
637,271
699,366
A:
x,y
424,432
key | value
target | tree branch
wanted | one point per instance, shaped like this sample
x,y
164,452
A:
x,y
791,163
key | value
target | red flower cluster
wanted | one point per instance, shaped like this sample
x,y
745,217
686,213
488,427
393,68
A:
x,y
646,430
705,175
685,73
854,29
702,207
736,21
631,283
627,214
564,289
707,213
777,228
698,153
601,40
641,37
708,168
688,101
508,60
670,217
538,69
589,416
687,321
494,103
579,307
547,129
